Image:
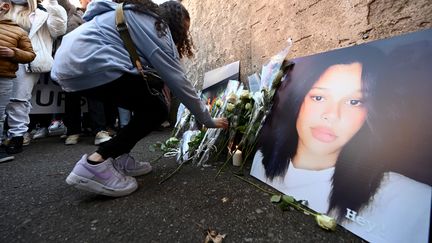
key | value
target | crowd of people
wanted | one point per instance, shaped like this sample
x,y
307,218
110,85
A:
x,y
42,31
40,42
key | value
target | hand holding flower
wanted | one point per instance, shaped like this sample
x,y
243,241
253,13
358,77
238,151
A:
x,y
221,122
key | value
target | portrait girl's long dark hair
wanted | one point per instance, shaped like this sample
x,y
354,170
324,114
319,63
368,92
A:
x,y
357,172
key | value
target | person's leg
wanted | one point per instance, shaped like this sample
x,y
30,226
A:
x,y
99,172
5,92
97,114
130,92
124,117
72,119
19,107
98,120
111,114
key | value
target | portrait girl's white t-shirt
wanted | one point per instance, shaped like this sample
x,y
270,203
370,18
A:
x,y
398,212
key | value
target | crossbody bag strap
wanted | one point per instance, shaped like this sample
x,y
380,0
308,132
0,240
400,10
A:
x,y
127,40
130,47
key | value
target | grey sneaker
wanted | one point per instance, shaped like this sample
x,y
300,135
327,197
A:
x,y
102,179
128,166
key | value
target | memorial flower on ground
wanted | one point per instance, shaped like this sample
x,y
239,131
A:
x,y
285,202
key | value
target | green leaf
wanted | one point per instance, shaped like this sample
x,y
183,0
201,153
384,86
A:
x,y
152,148
275,198
155,146
288,199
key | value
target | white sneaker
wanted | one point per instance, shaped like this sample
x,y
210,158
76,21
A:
x,y
72,139
39,132
102,179
102,137
128,166
56,128
26,139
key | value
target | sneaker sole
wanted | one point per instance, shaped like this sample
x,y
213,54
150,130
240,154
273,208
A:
x,y
6,159
71,143
102,141
96,187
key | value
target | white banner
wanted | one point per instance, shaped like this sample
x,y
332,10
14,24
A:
x,y
49,98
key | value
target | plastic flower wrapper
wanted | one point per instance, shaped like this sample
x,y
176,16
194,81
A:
x,y
211,136
269,70
183,116
206,146
285,202
254,83
262,104
186,146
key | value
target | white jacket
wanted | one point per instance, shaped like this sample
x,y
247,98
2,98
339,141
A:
x,y
46,26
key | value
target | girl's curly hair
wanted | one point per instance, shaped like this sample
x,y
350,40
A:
x,y
176,15
148,6
173,14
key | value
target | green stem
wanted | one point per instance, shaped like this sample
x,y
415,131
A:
x,y
248,152
172,173
222,148
225,163
253,184
157,159
299,207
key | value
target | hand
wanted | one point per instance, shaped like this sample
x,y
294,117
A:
x,y
221,122
6,52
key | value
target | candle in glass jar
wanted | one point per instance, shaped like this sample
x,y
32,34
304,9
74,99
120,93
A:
x,y
237,158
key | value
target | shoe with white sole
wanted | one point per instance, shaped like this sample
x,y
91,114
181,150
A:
x,y
56,128
101,179
128,166
72,139
102,137
4,156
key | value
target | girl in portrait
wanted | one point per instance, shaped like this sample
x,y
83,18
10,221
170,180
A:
x,y
320,144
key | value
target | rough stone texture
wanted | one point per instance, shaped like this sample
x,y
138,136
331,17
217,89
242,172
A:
x,y
252,31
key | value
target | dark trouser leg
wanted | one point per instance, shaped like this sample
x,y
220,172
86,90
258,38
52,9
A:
x,y
111,115
130,92
72,113
97,114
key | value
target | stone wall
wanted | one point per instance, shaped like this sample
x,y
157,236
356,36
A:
x,y
254,30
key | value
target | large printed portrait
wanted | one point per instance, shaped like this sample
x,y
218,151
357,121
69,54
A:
x,y
350,131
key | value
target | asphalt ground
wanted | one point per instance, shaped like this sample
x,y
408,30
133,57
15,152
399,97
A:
x,y
36,204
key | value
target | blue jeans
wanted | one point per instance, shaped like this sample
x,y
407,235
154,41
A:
x,y
124,116
5,94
